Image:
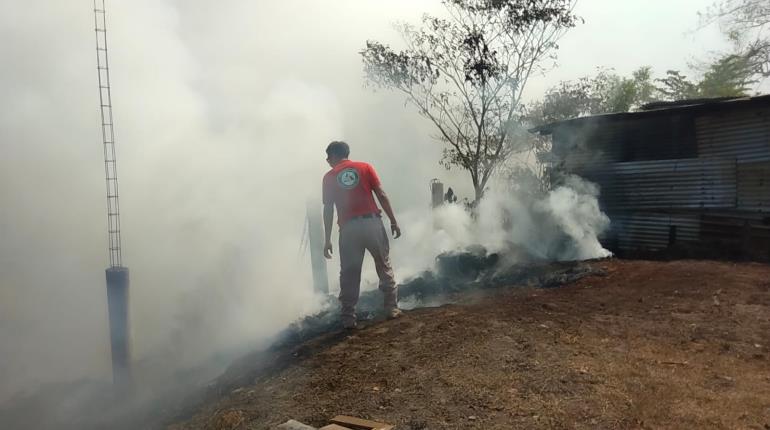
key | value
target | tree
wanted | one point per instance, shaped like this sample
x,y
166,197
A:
x,y
676,86
568,99
747,24
606,92
613,93
730,75
466,72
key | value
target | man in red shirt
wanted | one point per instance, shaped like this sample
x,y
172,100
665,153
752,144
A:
x,y
349,186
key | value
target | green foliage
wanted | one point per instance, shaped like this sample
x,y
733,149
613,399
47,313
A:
x,y
676,86
465,72
606,92
569,99
617,94
731,75
746,23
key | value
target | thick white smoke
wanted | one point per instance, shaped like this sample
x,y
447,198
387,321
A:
x,y
563,224
574,207
222,114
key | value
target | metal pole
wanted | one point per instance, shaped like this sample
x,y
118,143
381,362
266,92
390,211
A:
x,y
436,193
316,243
116,274
120,338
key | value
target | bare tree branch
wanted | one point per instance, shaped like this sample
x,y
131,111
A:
x,y
466,73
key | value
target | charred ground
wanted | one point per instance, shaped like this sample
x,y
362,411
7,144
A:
x,y
643,345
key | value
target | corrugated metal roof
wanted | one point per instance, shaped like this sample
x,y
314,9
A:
x,y
718,104
685,102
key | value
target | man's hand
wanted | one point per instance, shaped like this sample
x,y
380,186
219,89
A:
x,y
385,202
396,230
328,250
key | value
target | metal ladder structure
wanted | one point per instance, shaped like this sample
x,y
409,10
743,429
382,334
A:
x,y
108,135
116,274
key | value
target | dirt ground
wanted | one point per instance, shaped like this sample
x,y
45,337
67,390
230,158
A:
x,y
679,345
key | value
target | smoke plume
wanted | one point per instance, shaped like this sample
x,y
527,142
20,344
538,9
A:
x,y
563,224
222,115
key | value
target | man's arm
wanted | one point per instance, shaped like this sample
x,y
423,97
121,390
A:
x,y
328,218
385,203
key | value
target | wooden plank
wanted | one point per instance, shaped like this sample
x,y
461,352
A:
x,y
359,424
334,427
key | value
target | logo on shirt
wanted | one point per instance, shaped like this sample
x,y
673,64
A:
x,y
348,178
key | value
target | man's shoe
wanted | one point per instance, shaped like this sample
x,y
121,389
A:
x,y
393,313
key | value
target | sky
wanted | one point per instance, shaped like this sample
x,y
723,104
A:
x,y
222,112
625,35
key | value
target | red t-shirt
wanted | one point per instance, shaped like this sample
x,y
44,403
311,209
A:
x,y
349,186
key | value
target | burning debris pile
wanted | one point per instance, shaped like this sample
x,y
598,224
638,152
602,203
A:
x,y
455,272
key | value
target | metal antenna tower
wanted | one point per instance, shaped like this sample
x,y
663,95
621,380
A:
x,y
117,275
108,134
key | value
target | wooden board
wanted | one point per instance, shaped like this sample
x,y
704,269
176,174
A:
x,y
359,424
334,427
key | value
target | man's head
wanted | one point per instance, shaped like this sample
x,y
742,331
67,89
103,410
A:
x,y
336,152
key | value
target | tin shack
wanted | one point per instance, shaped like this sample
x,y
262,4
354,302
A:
x,y
690,177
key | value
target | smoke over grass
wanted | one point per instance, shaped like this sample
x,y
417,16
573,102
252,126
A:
x,y
563,224
222,114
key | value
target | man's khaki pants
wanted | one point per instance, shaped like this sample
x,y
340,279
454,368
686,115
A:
x,y
356,236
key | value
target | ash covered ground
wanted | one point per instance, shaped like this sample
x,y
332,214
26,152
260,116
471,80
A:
x,y
455,273
645,345
90,404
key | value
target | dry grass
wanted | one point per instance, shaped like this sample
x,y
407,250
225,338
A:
x,y
651,345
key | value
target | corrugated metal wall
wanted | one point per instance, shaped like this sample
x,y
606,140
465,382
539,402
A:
x,y
754,186
744,136
653,230
666,184
595,144
701,179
